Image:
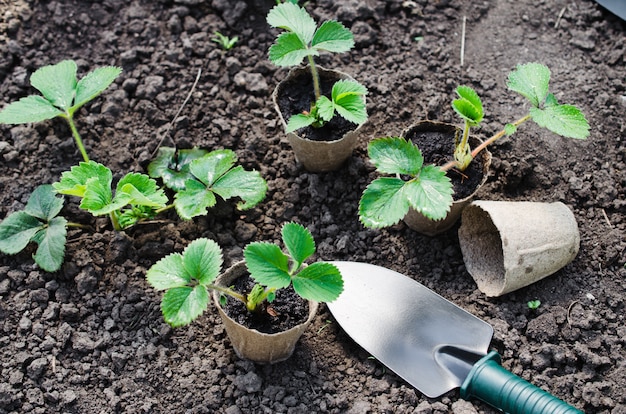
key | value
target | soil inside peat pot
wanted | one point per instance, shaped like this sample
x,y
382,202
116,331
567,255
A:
x,y
437,148
285,312
296,98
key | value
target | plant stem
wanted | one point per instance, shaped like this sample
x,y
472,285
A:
x,y
478,149
229,292
79,141
77,225
162,209
115,221
316,78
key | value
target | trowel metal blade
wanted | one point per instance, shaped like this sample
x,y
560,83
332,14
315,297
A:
x,y
425,339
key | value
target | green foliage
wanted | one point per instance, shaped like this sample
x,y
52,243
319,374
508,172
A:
x,y
223,41
269,266
531,80
468,105
346,100
187,278
38,222
137,196
386,200
62,94
172,166
533,304
470,108
303,39
216,174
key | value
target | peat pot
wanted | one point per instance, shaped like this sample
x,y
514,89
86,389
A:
x,y
317,149
436,141
508,245
250,343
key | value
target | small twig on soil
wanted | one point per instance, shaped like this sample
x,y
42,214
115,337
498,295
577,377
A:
x,y
558,19
167,131
463,40
569,311
606,218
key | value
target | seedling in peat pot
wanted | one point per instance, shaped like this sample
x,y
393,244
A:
x,y
39,222
426,188
188,277
303,39
62,94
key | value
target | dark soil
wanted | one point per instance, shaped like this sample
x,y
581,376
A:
x,y
285,312
90,338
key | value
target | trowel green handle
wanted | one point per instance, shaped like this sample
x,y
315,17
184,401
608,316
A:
x,y
496,386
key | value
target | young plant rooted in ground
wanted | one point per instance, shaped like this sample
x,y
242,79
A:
x,y
39,222
303,39
187,278
426,188
62,94
137,197
199,176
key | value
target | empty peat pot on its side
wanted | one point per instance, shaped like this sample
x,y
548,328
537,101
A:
x,y
250,343
436,140
507,245
318,149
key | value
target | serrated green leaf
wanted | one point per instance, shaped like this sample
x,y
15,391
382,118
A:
x,y
167,273
267,264
531,80
17,230
551,100
98,197
333,36
395,155
292,18
325,108
298,241
29,109
194,200
74,182
213,165
92,84
321,282
172,166
468,106
249,186
202,259
564,120
431,193
299,121
348,99
140,190
181,305
346,87
288,50
43,203
51,251
57,83
130,216
383,203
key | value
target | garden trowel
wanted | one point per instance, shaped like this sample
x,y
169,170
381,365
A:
x,y
430,342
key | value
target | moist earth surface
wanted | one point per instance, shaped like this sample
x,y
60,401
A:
x,y
91,338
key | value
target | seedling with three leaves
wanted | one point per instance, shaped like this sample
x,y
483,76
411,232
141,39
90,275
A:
x,y
303,39
426,188
62,95
187,278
